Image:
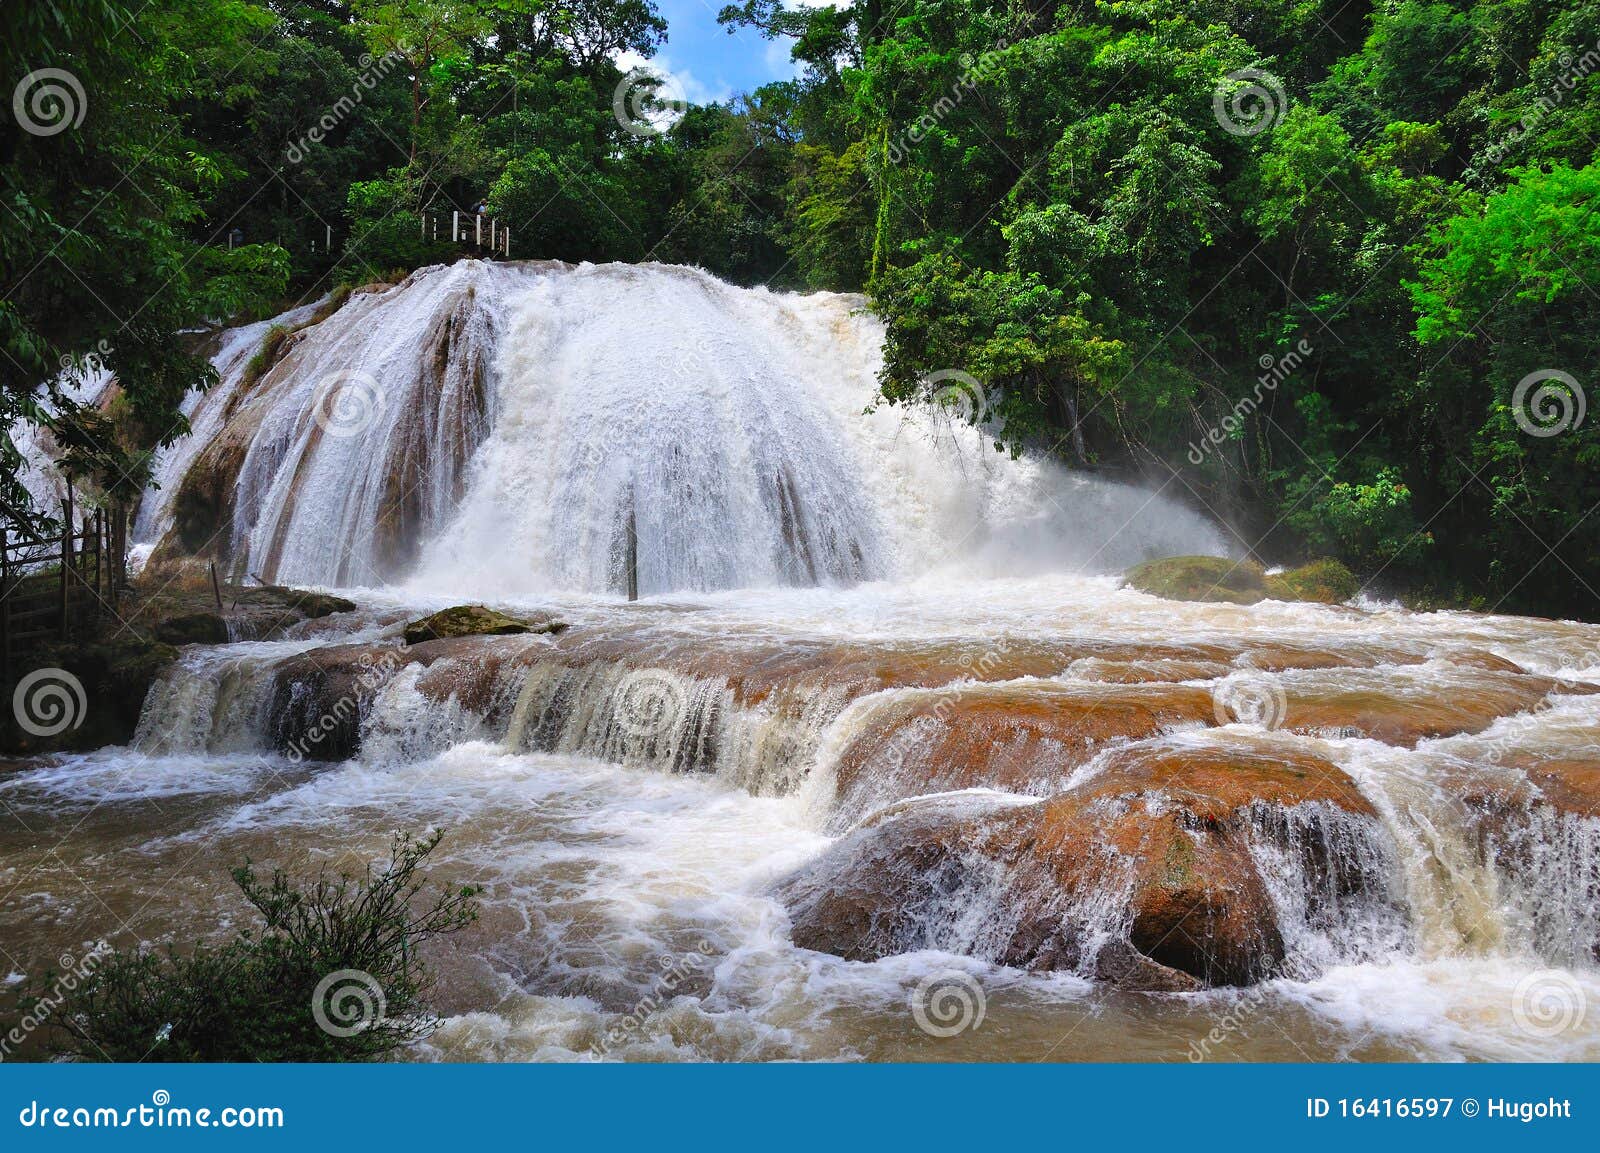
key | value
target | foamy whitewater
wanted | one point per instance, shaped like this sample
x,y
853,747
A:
x,y
512,421
727,423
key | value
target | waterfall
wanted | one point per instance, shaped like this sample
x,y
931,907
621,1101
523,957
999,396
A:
x,y
879,699
493,429
207,412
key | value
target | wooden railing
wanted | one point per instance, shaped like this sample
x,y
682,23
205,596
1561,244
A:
x,y
52,584
472,229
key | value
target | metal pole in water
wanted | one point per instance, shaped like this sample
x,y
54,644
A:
x,y
633,557
66,553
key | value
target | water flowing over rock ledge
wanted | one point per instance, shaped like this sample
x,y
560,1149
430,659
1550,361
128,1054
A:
x,y
1058,805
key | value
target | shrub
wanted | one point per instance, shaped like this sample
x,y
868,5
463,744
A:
x,y
333,974
271,351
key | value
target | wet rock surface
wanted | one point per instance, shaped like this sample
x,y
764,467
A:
x,y
476,620
1242,582
260,612
1146,874
1085,806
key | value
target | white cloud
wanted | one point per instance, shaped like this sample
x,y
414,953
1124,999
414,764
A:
x,y
680,82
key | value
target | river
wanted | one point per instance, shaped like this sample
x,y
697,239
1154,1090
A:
x,y
793,803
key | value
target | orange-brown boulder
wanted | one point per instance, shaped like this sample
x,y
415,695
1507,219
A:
x,y
1022,738
1142,875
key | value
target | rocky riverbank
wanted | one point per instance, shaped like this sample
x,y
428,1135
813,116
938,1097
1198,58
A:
x,y
88,689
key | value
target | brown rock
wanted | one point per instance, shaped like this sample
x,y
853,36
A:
x,y
1142,875
320,696
1026,739
1404,712
474,621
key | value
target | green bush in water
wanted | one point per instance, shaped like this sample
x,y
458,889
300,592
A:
x,y
332,975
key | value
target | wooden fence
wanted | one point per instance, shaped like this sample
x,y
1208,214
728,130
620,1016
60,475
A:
x,y
467,228
51,585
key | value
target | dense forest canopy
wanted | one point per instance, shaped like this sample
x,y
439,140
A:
x,y
1328,269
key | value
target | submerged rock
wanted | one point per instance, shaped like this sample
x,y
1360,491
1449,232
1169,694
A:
x,y
321,697
476,621
1146,875
1241,582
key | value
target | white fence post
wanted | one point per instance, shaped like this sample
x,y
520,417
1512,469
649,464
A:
x,y
507,232
477,232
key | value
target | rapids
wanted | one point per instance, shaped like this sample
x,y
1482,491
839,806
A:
x,y
856,630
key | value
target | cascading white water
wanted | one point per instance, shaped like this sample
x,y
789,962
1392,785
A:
x,y
728,424
367,427
207,412
510,423
35,444
641,786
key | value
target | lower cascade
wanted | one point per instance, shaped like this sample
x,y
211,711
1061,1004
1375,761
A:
x,y
882,713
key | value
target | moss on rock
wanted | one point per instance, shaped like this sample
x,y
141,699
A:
x,y
1324,581
1200,578
115,675
1241,582
476,621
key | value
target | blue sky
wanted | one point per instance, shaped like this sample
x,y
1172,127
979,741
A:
x,y
708,63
